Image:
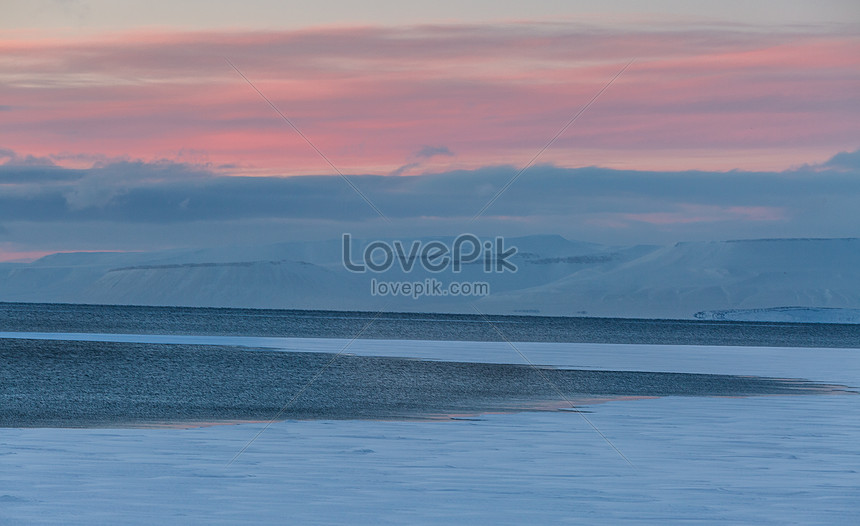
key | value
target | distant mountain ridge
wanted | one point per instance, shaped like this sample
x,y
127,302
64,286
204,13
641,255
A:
x,y
757,280
785,314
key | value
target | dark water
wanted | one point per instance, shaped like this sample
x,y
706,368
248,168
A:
x,y
71,384
27,317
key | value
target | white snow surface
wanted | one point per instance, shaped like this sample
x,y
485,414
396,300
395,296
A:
x,y
764,460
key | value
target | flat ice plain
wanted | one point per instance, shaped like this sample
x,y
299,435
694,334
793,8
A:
x,y
764,460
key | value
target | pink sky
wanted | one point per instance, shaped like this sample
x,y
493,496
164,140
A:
x,y
372,98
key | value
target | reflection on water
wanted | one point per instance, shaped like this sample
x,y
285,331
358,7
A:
x,y
70,384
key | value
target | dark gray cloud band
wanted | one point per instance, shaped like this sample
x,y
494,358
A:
x,y
810,200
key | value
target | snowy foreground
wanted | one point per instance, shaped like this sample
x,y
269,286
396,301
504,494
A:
x,y
771,460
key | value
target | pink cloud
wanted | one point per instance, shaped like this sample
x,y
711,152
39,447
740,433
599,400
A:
x,y
708,214
371,97
10,253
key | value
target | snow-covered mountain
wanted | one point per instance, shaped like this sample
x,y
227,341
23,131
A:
x,y
748,280
680,280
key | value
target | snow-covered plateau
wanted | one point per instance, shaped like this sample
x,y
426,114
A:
x,y
762,280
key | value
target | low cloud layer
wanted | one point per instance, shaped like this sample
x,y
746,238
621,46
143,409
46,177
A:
x,y
137,205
